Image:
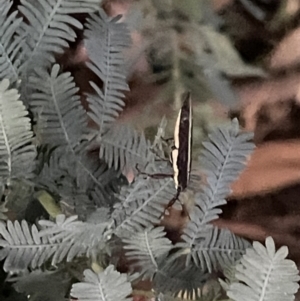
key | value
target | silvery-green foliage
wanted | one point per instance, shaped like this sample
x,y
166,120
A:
x,y
78,204
101,36
25,246
62,122
147,249
80,237
158,142
178,279
265,274
106,39
82,183
17,153
211,292
5,6
142,204
50,28
108,285
223,158
64,175
10,44
59,114
125,154
60,172
229,275
22,247
216,249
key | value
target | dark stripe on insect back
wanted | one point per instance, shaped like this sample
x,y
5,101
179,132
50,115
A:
x,y
184,149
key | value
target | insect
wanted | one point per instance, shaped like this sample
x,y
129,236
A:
x,y
181,150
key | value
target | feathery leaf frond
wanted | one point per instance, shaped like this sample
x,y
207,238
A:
x,y
108,285
5,6
61,119
17,153
49,28
24,246
82,237
124,148
158,143
218,248
175,278
10,44
64,175
106,40
142,204
223,159
265,274
147,249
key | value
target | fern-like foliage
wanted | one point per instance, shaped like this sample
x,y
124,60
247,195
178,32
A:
x,y
106,103
82,237
62,122
5,6
24,246
82,191
108,285
59,173
79,180
176,279
10,43
125,153
223,159
61,119
211,291
265,274
106,40
142,204
217,249
147,250
49,28
17,153
159,139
